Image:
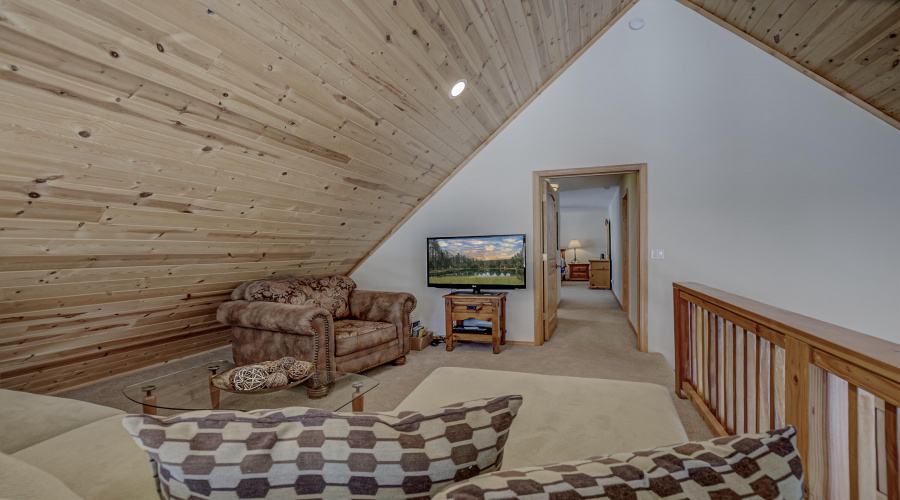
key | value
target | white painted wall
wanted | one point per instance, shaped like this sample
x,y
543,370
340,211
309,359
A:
x,y
629,185
761,181
585,225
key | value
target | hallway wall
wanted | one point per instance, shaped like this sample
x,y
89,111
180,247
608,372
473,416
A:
x,y
587,225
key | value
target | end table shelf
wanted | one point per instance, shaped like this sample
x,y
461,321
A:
x,y
458,308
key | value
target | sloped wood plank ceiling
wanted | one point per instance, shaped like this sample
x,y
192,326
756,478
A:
x,y
852,46
155,154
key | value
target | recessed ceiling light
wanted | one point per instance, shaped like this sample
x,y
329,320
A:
x,y
636,23
457,88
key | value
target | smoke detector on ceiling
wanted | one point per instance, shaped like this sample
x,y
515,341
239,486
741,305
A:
x,y
636,23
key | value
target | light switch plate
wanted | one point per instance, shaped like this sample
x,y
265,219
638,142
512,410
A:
x,y
657,254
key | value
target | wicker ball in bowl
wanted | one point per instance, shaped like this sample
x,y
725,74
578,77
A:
x,y
265,376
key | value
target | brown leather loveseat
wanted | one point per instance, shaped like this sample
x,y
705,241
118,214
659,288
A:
x,y
320,319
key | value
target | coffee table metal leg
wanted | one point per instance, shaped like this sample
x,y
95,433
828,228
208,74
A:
x,y
149,401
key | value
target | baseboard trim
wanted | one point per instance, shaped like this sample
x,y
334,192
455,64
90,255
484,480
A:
x,y
520,342
633,329
617,299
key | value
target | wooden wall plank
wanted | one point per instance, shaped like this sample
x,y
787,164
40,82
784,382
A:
x,y
155,155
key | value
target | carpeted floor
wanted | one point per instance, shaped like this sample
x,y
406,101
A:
x,y
593,340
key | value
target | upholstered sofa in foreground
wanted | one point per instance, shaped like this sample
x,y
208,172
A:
x,y
66,449
325,320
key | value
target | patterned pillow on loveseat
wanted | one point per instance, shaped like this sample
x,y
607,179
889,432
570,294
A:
x,y
328,292
750,466
309,453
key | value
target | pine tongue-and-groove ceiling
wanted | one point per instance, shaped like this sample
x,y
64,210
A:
x,y
850,46
157,154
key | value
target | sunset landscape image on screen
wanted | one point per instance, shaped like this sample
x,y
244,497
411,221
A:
x,y
493,260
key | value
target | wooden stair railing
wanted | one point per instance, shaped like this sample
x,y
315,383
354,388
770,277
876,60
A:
x,y
750,367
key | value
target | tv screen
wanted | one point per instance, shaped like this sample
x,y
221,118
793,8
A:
x,y
477,262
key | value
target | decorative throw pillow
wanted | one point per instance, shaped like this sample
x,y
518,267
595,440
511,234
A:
x,y
309,453
328,292
753,465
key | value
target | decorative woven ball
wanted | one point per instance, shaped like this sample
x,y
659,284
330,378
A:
x,y
272,367
297,371
250,378
286,362
277,379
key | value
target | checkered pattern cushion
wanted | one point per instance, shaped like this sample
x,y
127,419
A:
x,y
750,466
309,453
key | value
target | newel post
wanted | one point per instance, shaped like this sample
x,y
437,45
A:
x,y
797,357
682,350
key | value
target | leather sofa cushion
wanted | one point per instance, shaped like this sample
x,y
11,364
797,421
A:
x,y
309,453
98,461
352,335
27,419
331,293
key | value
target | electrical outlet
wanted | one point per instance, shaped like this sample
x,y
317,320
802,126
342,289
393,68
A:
x,y
657,254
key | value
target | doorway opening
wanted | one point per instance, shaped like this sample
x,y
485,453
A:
x,y
628,261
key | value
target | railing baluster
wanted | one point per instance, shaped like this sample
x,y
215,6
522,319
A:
x,y
853,439
891,452
867,450
772,424
836,437
714,364
744,375
705,357
817,461
758,386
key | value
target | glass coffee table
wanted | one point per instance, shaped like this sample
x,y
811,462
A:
x,y
191,389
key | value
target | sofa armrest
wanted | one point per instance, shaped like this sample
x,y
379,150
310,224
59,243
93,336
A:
x,y
254,318
273,316
385,307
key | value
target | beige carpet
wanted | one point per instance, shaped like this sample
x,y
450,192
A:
x,y
593,340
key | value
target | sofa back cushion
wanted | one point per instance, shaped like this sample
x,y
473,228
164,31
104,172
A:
x,y
753,465
328,292
309,453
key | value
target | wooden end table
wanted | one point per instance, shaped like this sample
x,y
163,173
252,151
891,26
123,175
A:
x,y
458,308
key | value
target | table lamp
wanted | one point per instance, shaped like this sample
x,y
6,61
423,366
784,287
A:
x,y
575,245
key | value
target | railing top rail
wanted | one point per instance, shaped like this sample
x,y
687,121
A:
x,y
879,355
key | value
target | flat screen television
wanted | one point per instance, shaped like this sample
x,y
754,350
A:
x,y
477,262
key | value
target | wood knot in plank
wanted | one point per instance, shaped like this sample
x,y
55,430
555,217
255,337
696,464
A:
x,y
160,48
114,54
84,133
33,195
207,148
146,194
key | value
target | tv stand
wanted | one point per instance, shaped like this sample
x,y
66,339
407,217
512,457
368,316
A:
x,y
460,307
473,291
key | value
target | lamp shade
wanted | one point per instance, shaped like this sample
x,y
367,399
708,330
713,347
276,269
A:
x,y
574,244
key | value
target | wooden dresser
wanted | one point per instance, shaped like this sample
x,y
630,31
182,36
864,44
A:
x,y
579,272
599,274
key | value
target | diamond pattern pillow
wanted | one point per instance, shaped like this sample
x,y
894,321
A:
x,y
763,466
310,453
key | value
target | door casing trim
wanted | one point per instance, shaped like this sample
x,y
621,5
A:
x,y
643,253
